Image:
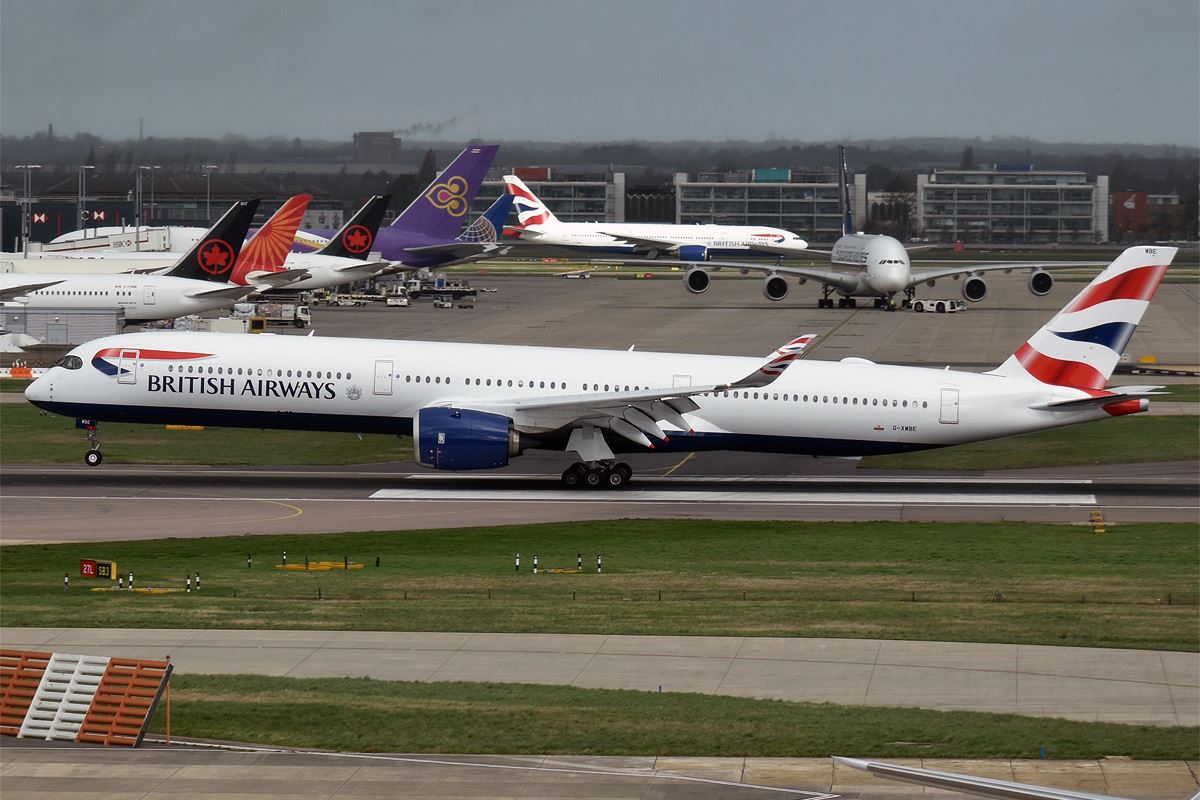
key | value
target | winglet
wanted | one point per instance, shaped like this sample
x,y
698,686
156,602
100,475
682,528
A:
x,y
796,345
776,363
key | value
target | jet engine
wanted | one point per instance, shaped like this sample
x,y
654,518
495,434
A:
x,y
775,287
693,252
974,289
462,439
1040,282
696,280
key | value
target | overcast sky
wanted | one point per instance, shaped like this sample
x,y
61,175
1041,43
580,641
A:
x,y
598,70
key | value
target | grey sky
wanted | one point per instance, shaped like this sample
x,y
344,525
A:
x,y
1078,70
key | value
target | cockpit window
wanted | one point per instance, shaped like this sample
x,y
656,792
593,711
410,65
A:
x,y
69,362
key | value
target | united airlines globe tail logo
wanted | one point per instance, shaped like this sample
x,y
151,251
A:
x,y
215,257
450,195
357,239
481,230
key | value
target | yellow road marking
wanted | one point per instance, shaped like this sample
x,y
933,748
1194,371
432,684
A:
x,y
686,459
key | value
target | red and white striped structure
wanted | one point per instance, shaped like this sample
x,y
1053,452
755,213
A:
x,y
81,698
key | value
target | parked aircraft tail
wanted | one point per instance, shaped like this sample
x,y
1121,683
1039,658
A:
x,y
1081,345
355,238
268,249
214,256
490,224
530,210
439,211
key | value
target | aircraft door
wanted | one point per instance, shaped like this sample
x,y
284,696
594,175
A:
x,y
127,366
383,377
148,295
949,408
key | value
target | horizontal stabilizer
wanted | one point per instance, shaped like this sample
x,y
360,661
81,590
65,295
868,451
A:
x,y
24,289
1116,395
231,292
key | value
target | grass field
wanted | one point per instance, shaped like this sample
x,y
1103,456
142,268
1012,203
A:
x,y
1125,440
1135,586
389,716
28,436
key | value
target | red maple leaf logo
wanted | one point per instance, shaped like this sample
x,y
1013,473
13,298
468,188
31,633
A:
x,y
357,239
216,257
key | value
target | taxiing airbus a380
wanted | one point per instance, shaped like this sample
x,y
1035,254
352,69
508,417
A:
x,y
475,406
873,265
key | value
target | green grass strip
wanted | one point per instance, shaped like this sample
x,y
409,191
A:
x,y
352,714
1134,586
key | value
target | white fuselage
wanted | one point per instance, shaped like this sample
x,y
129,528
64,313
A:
x,y
880,263
324,270
144,297
716,239
379,386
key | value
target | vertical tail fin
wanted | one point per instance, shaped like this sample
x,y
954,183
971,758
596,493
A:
x,y
1082,344
844,194
213,257
355,238
269,248
487,228
439,211
530,210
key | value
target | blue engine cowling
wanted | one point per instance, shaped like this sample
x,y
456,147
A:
x,y
693,252
462,439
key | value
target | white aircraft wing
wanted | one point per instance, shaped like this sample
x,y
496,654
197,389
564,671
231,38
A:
x,y
967,269
635,414
643,241
19,291
786,251
463,250
225,290
953,781
281,278
147,270
362,267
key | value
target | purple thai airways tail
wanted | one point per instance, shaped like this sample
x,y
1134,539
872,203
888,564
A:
x,y
440,210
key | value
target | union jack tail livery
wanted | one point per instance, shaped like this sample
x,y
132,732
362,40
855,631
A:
x,y
530,210
268,250
1081,345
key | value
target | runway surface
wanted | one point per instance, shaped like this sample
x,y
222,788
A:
x,y
63,504
31,770
1143,687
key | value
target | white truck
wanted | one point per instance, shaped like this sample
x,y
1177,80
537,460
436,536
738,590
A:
x,y
275,313
940,306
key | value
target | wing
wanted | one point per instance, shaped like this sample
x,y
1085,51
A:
x,y
352,268
280,278
634,415
25,288
226,291
843,280
967,269
787,251
644,242
983,787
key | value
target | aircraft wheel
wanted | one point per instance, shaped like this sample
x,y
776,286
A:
x,y
594,478
93,458
618,477
573,476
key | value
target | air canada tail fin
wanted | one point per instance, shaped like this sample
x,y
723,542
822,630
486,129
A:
x,y
268,249
844,193
438,212
355,238
530,210
487,228
1082,344
214,256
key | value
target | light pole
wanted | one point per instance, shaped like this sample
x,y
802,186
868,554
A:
x,y
208,171
27,203
82,206
138,216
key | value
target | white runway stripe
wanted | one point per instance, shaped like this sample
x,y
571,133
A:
x,y
686,496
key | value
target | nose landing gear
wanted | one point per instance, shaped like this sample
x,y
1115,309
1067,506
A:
x,y
93,457
597,475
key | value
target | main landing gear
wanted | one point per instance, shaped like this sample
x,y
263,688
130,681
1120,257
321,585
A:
x,y
597,475
93,456
826,301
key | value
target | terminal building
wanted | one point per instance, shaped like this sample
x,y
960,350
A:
x,y
1012,204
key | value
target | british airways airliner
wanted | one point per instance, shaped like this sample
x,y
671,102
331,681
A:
x,y
476,406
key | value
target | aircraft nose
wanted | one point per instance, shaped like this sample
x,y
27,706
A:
x,y
38,392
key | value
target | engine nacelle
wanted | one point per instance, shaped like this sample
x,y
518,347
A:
x,y
775,287
1040,282
974,289
696,280
693,252
462,439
